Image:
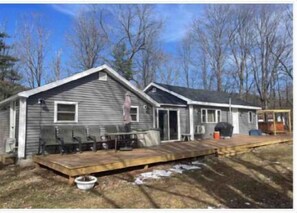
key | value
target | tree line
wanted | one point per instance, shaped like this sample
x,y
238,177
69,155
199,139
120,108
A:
x,y
242,49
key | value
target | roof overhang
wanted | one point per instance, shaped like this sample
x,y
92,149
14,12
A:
x,y
191,102
77,76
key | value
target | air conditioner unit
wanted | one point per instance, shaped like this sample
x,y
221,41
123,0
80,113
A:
x,y
200,129
10,145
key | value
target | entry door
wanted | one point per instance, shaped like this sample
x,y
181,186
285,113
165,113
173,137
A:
x,y
235,121
168,124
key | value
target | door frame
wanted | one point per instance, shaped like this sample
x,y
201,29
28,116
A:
x,y
178,122
234,112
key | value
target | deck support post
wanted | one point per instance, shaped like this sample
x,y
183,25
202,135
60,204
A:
x,y
146,166
70,181
274,124
289,122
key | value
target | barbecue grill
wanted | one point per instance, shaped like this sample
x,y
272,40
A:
x,y
225,129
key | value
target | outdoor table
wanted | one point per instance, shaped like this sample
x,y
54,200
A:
x,y
118,134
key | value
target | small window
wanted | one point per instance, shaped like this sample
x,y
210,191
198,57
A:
x,y
102,76
134,111
154,89
65,112
203,115
250,117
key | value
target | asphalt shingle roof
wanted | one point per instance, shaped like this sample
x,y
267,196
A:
x,y
165,98
198,95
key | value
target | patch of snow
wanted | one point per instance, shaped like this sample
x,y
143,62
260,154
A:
x,y
198,163
247,203
185,167
157,174
209,207
138,181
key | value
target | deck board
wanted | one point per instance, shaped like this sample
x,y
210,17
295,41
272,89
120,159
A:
x,y
100,161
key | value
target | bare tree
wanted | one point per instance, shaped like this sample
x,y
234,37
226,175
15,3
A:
x,y
210,31
240,41
268,47
31,48
185,55
168,73
56,67
88,39
139,30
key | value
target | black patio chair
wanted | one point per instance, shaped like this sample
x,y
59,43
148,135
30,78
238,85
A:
x,y
80,135
94,135
65,137
107,139
48,138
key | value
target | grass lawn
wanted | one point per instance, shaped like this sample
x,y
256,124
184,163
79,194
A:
x,y
262,178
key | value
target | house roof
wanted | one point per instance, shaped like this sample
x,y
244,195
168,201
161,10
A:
x,y
201,97
164,98
109,70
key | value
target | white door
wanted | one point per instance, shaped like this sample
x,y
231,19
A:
x,y
235,121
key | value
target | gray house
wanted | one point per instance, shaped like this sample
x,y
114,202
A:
x,y
92,97
196,112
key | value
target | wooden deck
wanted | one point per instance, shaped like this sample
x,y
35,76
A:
x,y
74,165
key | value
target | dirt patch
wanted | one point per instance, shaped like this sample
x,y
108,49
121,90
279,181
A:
x,y
261,178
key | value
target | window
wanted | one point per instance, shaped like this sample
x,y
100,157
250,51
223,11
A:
x,y
210,115
203,115
134,112
218,115
250,117
154,89
65,111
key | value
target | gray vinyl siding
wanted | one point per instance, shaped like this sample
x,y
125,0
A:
x,y
4,128
209,127
99,103
184,120
244,125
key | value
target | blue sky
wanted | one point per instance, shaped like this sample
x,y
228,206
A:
x,y
58,18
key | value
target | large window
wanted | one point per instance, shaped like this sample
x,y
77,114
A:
x,y
210,115
65,111
134,112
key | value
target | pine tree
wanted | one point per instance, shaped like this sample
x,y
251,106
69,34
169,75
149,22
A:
x,y
121,62
9,77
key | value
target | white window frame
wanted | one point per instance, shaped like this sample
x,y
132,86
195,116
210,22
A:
x,y
206,115
250,115
218,110
56,111
137,115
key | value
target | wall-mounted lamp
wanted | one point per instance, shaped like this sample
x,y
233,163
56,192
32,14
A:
x,y
41,101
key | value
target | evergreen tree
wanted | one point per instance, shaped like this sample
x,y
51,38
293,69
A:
x,y
122,63
9,77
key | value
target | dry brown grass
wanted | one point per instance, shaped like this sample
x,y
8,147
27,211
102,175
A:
x,y
258,179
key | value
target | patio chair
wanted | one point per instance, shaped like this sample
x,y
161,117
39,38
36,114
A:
x,y
94,135
48,138
80,135
65,137
109,140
